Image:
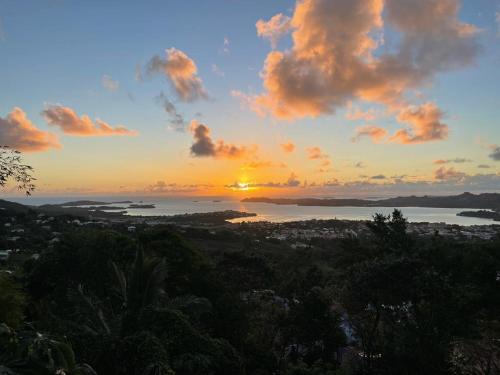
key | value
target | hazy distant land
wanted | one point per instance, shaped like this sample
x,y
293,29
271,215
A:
x,y
82,209
466,200
90,203
484,207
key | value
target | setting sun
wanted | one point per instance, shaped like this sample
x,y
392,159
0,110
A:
x,y
243,185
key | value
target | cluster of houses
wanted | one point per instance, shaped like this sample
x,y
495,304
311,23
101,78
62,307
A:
x,y
483,232
308,234
21,236
308,230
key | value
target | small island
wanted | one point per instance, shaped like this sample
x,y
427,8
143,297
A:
x,y
107,208
89,203
141,206
482,214
82,203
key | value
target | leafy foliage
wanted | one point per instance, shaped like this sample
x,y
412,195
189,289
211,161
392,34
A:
x,y
12,301
13,167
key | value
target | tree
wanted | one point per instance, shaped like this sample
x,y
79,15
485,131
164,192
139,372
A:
x,y
390,232
12,302
33,352
109,296
13,167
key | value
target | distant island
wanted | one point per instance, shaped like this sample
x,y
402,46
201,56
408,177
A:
x,y
489,201
119,214
97,205
141,206
89,203
115,208
482,214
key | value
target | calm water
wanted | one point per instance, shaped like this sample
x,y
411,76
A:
x,y
265,211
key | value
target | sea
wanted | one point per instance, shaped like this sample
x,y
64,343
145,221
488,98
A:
x,y
166,206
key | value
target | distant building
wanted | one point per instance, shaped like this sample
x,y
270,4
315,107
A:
x,y
299,245
131,228
4,255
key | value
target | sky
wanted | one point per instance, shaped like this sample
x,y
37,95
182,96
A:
x,y
253,97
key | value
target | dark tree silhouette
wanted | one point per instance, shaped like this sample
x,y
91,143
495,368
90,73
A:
x,y
13,167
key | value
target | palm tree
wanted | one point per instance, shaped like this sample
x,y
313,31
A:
x,y
32,352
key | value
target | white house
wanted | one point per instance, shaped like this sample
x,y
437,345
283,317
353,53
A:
x,y
4,255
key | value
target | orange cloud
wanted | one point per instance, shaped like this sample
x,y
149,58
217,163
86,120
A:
x,y
448,161
69,122
273,29
315,153
376,133
326,163
182,72
426,124
288,147
357,114
18,132
204,146
332,60
257,164
444,173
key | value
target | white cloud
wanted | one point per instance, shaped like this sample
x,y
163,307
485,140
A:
x,y
109,83
217,70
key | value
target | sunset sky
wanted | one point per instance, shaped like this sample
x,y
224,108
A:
x,y
253,97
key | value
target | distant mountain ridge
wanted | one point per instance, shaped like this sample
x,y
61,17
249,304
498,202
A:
x,y
466,200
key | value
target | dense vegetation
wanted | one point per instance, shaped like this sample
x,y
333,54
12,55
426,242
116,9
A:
x,y
160,302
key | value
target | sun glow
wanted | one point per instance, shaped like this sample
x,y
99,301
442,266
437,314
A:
x,y
243,186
